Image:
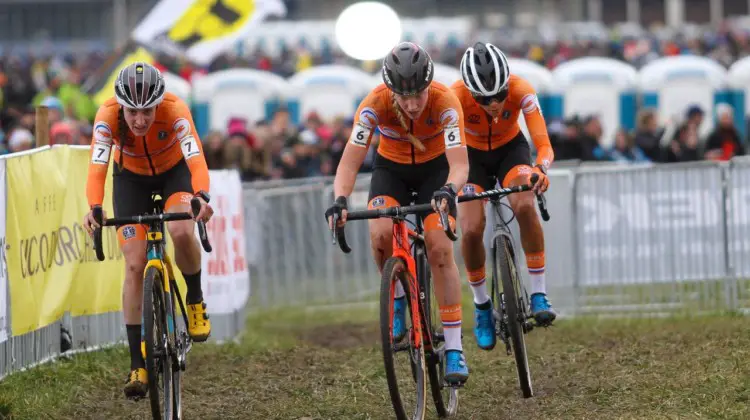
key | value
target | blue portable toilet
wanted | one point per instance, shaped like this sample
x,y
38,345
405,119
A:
x,y
739,82
244,93
672,84
540,79
595,86
178,86
330,90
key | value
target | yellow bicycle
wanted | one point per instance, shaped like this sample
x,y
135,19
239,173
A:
x,y
165,342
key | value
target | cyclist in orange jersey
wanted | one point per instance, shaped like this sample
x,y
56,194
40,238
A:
x,y
422,150
492,99
156,149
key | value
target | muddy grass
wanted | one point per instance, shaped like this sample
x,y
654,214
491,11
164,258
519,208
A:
x,y
302,367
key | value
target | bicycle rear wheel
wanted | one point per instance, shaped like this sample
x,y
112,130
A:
x,y
158,363
511,297
406,406
445,397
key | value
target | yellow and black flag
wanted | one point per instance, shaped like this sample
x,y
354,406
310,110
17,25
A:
x,y
202,29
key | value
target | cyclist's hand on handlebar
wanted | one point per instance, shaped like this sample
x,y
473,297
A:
x,y
206,211
542,181
444,199
90,223
339,209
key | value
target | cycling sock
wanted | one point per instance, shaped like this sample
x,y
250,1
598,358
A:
x,y
399,292
134,342
478,283
535,263
451,317
194,291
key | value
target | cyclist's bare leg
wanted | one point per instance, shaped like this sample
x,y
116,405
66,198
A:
x,y
471,218
532,240
446,280
381,240
133,246
188,260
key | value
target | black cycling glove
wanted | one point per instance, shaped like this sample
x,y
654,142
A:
x,y
339,205
447,192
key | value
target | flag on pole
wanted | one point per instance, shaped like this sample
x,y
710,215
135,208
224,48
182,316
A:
x,y
199,30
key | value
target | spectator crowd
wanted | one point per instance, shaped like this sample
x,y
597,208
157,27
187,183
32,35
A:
x,y
275,149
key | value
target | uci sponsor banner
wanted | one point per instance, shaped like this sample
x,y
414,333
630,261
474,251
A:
x,y
202,29
225,276
52,267
3,260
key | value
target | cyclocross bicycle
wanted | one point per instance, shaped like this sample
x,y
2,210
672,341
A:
x,y
512,311
422,344
166,341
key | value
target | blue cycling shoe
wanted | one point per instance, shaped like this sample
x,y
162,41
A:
x,y
399,319
456,369
542,310
484,326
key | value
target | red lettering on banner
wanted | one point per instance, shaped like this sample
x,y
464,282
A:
x,y
239,253
217,233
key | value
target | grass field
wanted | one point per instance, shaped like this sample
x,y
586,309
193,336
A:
x,y
323,365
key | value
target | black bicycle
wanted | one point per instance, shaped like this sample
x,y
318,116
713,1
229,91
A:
x,y
166,341
512,310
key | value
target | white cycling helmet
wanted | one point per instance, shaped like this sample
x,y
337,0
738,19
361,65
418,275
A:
x,y
485,70
139,86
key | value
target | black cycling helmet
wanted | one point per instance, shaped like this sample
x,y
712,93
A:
x,y
484,69
407,69
139,86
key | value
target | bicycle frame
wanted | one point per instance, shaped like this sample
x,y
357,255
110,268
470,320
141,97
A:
x,y
402,249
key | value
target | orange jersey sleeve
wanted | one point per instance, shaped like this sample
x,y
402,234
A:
x,y
102,140
190,144
367,118
532,113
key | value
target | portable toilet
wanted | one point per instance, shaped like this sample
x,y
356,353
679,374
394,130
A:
x,y
672,84
540,79
329,90
595,86
245,93
178,86
739,81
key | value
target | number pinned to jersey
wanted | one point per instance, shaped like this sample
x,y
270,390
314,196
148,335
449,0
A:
x,y
452,137
189,147
360,135
100,154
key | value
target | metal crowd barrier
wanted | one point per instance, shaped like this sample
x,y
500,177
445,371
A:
x,y
622,241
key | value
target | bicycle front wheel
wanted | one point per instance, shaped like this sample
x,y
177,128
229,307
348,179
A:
x,y
402,379
511,296
158,363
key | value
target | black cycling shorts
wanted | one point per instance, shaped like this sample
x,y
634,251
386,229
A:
x,y
488,167
398,181
131,194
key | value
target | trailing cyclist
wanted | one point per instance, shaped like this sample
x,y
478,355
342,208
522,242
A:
x,y
422,150
492,99
156,149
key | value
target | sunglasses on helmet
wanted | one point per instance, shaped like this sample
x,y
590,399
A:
x,y
486,100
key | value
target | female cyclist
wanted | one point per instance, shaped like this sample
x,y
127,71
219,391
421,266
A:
x,y
492,99
422,149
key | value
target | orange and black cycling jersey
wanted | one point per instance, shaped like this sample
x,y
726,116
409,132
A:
x,y
171,138
440,126
485,133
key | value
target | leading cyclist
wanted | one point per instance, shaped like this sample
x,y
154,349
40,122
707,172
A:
x,y
157,148
422,149
492,99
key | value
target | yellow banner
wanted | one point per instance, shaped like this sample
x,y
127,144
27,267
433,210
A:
x,y
51,266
